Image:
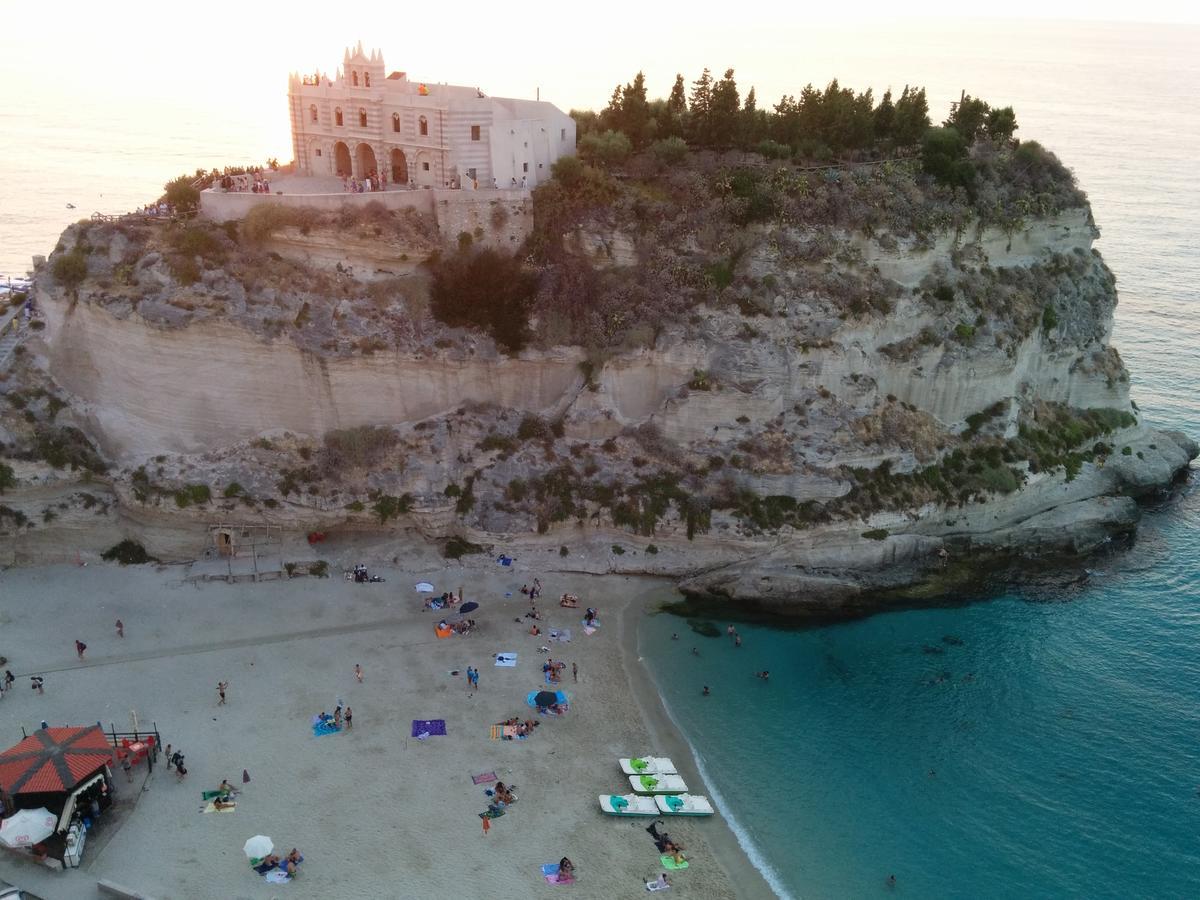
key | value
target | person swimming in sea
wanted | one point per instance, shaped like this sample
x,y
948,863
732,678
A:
x,y
764,675
706,691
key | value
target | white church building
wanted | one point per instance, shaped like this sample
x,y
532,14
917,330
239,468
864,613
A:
x,y
366,122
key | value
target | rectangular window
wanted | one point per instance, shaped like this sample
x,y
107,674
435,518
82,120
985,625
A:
x,y
424,167
562,135
318,152
471,174
474,132
525,167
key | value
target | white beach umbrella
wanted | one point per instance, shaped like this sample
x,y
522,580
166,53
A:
x,y
258,846
26,827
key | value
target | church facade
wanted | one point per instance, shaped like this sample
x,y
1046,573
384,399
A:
x,y
368,122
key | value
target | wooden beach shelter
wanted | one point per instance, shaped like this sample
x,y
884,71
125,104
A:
x,y
52,767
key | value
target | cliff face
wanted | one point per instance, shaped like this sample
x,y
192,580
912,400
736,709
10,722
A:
x,y
809,435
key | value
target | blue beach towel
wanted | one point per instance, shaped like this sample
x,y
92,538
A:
x,y
428,726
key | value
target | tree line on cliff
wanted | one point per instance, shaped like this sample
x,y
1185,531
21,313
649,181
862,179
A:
x,y
836,123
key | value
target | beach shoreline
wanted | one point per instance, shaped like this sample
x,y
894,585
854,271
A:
x,y
351,801
735,860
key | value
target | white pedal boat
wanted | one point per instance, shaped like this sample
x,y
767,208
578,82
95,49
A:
x,y
648,765
657,784
683,805
627,805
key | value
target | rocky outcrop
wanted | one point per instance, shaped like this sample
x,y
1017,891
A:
x,y
818,439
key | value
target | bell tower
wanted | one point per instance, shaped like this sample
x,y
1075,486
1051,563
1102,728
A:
x,y
361,70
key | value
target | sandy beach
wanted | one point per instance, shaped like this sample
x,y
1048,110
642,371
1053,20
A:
x,y
375,812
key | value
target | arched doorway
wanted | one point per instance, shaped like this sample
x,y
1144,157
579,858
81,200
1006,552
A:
x,y
341,160
366,160
399,167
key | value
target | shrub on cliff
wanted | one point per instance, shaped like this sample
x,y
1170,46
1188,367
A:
x,y
361,447
70,269
128,553
7,478
484,289
182,194
944,156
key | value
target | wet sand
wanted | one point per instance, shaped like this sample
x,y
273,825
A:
x,y
376,812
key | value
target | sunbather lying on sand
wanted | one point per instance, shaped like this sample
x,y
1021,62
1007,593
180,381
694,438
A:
x,y
570,601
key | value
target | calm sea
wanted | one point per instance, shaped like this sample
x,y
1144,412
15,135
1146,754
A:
x,y
1052,747
1038,744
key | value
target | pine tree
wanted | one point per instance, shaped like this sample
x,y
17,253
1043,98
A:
x,y
885,117
611,118
723,115
635,112
700,108
912,117
676,119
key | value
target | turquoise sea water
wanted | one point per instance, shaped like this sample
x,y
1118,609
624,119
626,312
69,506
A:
x,y
1063,732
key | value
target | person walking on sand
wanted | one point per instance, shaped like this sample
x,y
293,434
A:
x,y
358,672
37,681
80,646
575,671
221,688
349,717
487,823
120,629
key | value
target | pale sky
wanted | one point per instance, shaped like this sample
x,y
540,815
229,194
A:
x,y
205,55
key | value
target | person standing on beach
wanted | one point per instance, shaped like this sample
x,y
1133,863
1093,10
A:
x,y
358,672
37,683
80,646
349,718
221,687
120,629
575,671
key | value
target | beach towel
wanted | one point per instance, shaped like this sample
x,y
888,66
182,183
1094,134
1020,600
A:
x,y
275,876
669,862
595,624
551,680
211,807
589,630
491,813
549,868
563,635
507,660
212,795
504,560
424,587
428,727
443,633
653,886
484,778
327,727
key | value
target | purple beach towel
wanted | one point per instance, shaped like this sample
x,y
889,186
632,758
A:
x,y
485,778
428,726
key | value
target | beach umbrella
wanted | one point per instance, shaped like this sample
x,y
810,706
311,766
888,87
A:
x,y
468,607
425,587
545,699
26,827
258,846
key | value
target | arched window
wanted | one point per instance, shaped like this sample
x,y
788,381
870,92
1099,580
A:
x,y
366,79
396,122
337,117
362,117
312,112
423,125
354,78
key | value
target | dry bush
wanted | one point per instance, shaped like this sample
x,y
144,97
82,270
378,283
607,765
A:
x,y
357,448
